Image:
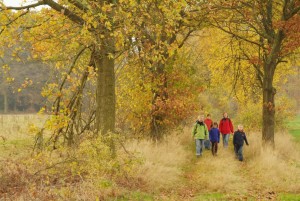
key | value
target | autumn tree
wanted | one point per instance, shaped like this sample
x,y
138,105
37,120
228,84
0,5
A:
x,y
95,18
98,33
162,28
269,28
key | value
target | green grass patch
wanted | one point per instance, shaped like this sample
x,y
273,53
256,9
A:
x,y
296,134
209,197
294,128
289,197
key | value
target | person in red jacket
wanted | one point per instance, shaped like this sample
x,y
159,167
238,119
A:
x,y
208,122
209,125
225,127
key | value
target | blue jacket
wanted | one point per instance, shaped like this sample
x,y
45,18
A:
x,y
214,135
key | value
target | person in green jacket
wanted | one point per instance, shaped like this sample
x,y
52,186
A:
x,y
200,133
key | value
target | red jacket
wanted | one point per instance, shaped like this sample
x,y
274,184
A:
x,y
208,123
225,126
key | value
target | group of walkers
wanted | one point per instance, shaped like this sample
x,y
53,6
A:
x,y
207,135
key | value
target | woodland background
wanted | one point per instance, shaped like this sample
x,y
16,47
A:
x,y
98,99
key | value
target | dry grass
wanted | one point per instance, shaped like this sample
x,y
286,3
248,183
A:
x,y
162,162
276,170
15,137
169,171
264,174
16,126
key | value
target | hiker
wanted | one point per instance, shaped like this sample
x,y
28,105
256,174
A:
x,y
214,137
225,127
200,133
238,141
209,124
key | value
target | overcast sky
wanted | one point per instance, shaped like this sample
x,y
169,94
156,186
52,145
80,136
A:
x,y
12,2
16,2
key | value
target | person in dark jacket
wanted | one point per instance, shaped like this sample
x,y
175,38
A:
x,y
238,141
226,128
214,137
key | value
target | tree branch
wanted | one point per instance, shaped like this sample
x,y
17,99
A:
x,y
235,35
294,12
57,101
59,8
12,21
78,5
263,34
185,38
54,165
66,12
259,72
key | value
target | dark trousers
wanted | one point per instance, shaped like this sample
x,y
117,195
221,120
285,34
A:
x,y
214,148
238,149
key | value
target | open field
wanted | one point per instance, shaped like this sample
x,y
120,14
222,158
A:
x,y
15,136
163,171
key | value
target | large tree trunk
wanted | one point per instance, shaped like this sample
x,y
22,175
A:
x,y
269,91
105,95
268,111
105,63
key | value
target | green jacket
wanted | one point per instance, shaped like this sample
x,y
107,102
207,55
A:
x,y
200,131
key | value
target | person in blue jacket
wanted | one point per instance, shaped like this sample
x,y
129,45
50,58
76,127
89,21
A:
x,y
214,137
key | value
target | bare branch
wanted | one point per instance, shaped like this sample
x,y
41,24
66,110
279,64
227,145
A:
x,y
57,101
235,35
54,165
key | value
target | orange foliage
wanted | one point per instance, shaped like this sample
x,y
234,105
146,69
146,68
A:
x,y
292,32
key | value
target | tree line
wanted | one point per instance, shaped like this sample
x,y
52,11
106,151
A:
x,y
131,59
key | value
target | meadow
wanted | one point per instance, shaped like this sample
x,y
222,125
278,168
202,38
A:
x,y
158,171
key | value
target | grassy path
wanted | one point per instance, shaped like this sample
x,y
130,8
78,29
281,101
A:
x,y
220,178
263,177
260,177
